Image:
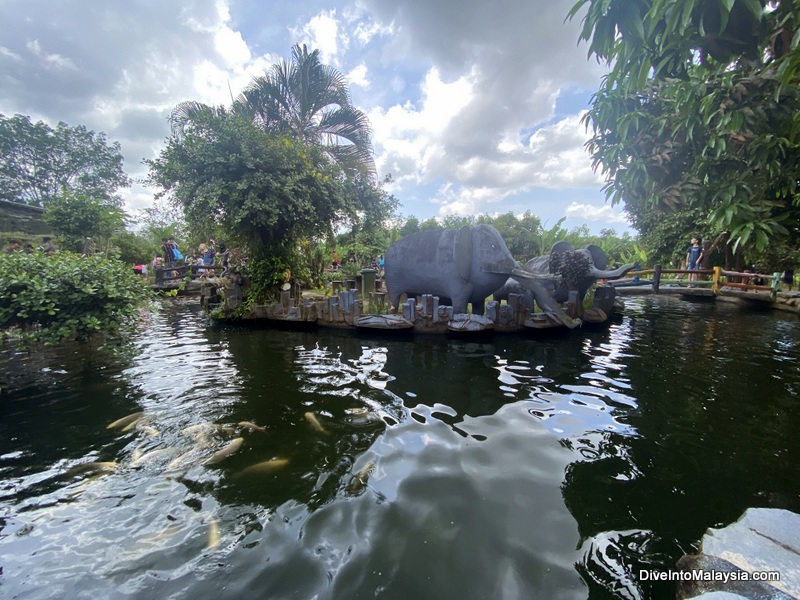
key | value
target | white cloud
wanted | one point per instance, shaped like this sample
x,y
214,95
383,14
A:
x,y
365,31
358,76
591,212
50,60
231,47
8,53
322,33
413,132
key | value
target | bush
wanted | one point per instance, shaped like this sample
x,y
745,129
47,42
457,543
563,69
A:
x,y
63,296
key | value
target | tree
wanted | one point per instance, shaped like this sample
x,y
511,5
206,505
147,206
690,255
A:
x,y
699,111
38,163
264,189
75,217
302,98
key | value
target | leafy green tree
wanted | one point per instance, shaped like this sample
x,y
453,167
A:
x,y
410,225
75,217
304,99
64,296
699,110
430,223
522,235
133,248
262,188
39,163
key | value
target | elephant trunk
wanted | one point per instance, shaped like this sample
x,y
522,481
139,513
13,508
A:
x,y
615,274
544,297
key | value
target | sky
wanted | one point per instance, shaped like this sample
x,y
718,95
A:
x,y
475,106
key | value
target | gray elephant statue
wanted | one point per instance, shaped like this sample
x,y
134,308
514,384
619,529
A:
x,y
460,265
549,278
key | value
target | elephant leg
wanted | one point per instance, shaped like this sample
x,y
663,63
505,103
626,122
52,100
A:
x,y
394,300
479,307
459,303
545,300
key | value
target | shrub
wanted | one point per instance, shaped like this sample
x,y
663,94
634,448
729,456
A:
x,y
64,296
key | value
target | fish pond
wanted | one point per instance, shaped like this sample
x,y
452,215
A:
x,y
329,465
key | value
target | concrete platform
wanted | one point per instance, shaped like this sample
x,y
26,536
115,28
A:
x,y
763,540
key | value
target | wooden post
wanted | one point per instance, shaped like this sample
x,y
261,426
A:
x,y
715,280
656,278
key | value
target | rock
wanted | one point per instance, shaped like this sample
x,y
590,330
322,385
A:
x,y
464,322
762,540
383,322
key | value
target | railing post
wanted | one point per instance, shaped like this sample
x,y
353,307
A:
x,y
715,280
656,278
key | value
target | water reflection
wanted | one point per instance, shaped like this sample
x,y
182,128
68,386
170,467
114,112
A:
x,y
433,467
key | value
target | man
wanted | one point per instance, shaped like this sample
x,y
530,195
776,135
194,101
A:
x,y
694,257
13,246
47,246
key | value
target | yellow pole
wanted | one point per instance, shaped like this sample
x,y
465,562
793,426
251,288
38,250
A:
x,y
715,280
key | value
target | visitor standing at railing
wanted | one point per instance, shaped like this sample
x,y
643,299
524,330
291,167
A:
x,y
169,256
210,253
694,256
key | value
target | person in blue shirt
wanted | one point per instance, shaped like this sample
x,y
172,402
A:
x,y
694,258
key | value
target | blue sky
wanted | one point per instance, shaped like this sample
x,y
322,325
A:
x,y
475,105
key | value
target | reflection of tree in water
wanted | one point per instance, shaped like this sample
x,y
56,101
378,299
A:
x,y
715,433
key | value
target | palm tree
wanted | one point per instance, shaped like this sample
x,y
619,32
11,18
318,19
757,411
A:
x,y
305,99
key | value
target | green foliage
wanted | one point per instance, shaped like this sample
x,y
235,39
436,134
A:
x,y
265,271
551,236
521,234
38,163
162,220
133,249
63,296
74,217
699,110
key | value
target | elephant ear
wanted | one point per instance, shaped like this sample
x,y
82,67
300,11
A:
x,y
561,247
599,257
462,252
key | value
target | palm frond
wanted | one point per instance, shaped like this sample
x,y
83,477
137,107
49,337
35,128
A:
x,y
186,113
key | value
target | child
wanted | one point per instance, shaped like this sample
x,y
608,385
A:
x,y
694,256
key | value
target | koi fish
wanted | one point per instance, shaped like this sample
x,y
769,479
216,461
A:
x,y
125,421
92,467
361,478
226,429
148,456
150,431
251,426
312,418
227,450
213,533
131,425
177,462
268,466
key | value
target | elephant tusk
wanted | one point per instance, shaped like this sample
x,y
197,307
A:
x,y
615,274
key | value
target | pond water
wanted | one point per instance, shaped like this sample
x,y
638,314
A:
x,y
511,467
